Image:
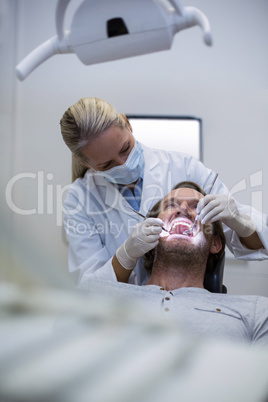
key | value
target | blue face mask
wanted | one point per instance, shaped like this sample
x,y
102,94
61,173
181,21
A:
x,y
130,171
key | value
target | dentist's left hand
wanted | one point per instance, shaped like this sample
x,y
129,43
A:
x,y
144,237
222,207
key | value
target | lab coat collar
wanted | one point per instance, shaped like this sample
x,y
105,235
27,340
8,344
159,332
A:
x,y
151,191
150,157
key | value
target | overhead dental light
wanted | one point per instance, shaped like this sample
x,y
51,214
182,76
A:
x,y
106,30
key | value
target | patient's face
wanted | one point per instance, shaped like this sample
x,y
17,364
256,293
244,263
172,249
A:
x,y
178,211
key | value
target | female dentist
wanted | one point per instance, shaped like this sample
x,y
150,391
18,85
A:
x,y
114,174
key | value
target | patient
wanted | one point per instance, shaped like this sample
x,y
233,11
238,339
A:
x,y
177,268
182,258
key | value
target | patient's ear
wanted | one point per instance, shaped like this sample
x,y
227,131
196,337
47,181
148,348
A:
x,y
216,244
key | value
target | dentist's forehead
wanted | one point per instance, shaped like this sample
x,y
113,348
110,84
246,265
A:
x,y
182,194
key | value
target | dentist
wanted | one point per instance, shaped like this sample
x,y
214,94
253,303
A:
x,y
114,174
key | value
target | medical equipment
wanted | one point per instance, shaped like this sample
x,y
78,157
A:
x,y
145,217
189,232
106,30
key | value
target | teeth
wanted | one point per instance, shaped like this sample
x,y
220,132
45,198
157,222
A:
x,y
180,223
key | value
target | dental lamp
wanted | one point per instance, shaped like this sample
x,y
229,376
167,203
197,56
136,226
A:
x,y
105,30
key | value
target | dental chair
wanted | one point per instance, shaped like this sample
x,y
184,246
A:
x,y
213,278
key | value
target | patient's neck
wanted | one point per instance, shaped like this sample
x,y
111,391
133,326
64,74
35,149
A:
x,y
174,276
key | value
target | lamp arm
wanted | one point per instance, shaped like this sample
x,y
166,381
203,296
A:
x,y
41,53
60,14
195,17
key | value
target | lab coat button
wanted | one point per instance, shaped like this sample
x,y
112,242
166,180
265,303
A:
x,y
167,298
166,309
162,289
218,309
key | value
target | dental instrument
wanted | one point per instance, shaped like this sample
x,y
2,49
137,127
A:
x,y
106,30
190,231
144,217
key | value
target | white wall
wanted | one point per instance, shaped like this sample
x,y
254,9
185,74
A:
x,y
226,85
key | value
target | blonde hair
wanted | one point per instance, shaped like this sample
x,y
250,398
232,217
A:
x,y
82,123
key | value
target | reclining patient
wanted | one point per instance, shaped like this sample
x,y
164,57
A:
x,y
177,267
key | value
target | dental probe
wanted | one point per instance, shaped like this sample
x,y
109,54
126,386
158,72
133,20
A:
x,y
196,218
212,184
190,231
144,217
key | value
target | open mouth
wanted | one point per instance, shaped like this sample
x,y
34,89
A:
x,y
181,227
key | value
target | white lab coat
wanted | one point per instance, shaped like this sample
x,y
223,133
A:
x,y
97,218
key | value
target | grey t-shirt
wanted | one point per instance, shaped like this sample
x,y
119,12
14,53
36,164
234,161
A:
x,y
201,313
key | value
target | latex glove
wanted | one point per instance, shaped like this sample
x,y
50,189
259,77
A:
x,y
144,237
222,207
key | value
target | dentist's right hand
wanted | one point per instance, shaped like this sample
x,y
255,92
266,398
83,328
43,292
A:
x,y
143,238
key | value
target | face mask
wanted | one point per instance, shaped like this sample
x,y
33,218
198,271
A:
x,y
130,171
